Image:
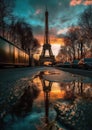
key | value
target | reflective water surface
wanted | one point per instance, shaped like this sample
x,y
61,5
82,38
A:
x,y
49,100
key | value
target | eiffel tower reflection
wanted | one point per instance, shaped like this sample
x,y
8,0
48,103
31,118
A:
x,y
47,85
46,89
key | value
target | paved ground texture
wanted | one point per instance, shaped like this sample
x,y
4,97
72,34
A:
x,y
77,71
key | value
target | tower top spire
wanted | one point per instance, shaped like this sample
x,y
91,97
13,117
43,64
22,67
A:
x,y
46,8
46,27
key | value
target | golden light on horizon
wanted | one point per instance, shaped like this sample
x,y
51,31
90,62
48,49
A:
x,y
55,93
53,40
55,49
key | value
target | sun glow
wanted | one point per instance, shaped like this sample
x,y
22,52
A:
x,y
55,93
55,45
52,39
55,49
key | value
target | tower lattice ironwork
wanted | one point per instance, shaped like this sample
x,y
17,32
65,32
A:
x,y
46,47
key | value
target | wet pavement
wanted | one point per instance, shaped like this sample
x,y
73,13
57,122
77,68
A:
x,y
46,99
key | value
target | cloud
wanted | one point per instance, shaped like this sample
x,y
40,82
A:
x,y
53,31
62,14
38,11
78,2
87,2
38,29
75,2
61,36
59,3
62,31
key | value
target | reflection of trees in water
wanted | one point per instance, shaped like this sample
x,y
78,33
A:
x,y
76,115
24,104
77,88
21,107
76,110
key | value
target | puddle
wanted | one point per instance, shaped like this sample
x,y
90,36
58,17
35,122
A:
x,y
48,100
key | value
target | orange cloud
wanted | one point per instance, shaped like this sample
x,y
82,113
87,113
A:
x,y
87,2
75,2
56,40
40,38
53,40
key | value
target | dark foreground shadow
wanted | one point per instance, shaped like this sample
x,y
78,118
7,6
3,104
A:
x,y
24,104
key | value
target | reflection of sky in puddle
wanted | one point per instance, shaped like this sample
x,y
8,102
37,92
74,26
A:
x,y
61,76
59,90
55,92
64,90
63,86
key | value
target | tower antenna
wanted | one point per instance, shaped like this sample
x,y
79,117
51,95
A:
x,y
46,5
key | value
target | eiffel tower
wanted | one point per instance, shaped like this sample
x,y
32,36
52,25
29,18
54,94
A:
x,y
46,47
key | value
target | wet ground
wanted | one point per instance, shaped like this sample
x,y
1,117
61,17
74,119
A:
x,y
38,97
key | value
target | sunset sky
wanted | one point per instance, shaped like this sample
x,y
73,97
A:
x,y
62,14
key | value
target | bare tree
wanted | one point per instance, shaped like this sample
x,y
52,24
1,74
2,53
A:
x,y
34,49
73,36
34,45
85,23
12,30
5,12
23,32
78,39
74,43
65,54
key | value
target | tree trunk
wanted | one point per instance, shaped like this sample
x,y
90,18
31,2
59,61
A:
x,y
81,48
